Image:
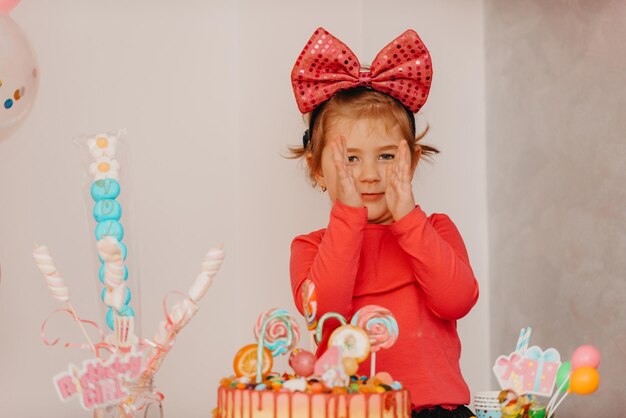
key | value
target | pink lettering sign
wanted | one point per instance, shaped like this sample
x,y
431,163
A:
x,y
99,383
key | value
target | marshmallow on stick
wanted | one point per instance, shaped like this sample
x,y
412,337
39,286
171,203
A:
x,y
184,310
111,254
211,264
57,286
54,280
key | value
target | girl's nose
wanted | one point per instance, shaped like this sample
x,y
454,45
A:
x,y
369,173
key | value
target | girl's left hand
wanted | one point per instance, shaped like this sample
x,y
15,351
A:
x,y
399,192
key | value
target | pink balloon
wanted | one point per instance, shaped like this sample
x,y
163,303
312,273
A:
x,y
585,355
7,5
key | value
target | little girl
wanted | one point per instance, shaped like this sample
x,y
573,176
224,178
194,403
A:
x,y
379,247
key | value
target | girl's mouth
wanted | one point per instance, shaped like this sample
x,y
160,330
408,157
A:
x,y
372,197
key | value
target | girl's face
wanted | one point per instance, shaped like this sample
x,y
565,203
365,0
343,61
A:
x,y
371,147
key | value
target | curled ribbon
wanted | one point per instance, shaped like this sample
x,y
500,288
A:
x,y
70,344
181,312
175,319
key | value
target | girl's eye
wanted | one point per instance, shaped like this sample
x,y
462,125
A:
x,y
352,159
387,156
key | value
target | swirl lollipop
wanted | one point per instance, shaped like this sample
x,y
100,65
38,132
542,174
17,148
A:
x,y
277,331
381,327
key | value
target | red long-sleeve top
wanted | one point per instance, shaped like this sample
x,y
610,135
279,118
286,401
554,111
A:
x,y
417,268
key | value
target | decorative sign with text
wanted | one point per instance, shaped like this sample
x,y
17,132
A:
x,y
532,371
99,383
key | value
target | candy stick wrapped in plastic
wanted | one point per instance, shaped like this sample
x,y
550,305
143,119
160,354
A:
x,y
57,285
105,187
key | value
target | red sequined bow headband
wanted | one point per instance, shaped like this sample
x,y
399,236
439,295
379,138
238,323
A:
x,y
326,65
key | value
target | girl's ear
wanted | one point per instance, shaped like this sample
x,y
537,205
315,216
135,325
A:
x,y
318,175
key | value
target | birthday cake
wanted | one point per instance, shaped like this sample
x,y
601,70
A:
x,y
317,388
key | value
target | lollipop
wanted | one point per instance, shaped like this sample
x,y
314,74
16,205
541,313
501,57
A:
x,y
353,340
381,328
309,304
277,331
320,324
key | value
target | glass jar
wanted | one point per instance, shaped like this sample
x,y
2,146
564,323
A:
x,y
143,402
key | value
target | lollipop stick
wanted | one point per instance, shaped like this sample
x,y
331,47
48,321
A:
x,y
313,344
82,328
373,364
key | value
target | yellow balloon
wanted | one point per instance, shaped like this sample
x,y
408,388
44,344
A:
x,y
584,380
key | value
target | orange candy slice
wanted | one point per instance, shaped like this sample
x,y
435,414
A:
x,y
246,360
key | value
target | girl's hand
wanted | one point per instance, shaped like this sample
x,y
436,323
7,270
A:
x,y
399,192
345,188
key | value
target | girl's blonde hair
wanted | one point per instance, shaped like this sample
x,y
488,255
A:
x,y
356,103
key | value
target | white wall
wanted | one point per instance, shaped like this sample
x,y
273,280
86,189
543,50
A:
x,y
203,89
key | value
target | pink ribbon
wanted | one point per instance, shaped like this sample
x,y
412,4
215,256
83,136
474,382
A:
x,y
71,344
511,365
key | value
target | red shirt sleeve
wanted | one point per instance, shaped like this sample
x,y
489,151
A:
x,y
330,259
440,262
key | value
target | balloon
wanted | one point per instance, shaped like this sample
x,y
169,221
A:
x,y
584,380
7,5
19,78
585,355
562,374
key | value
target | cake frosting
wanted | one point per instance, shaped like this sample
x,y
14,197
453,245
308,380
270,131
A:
x,y
361,399
327,387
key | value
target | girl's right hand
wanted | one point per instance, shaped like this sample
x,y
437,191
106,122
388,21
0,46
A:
x,y
345,187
